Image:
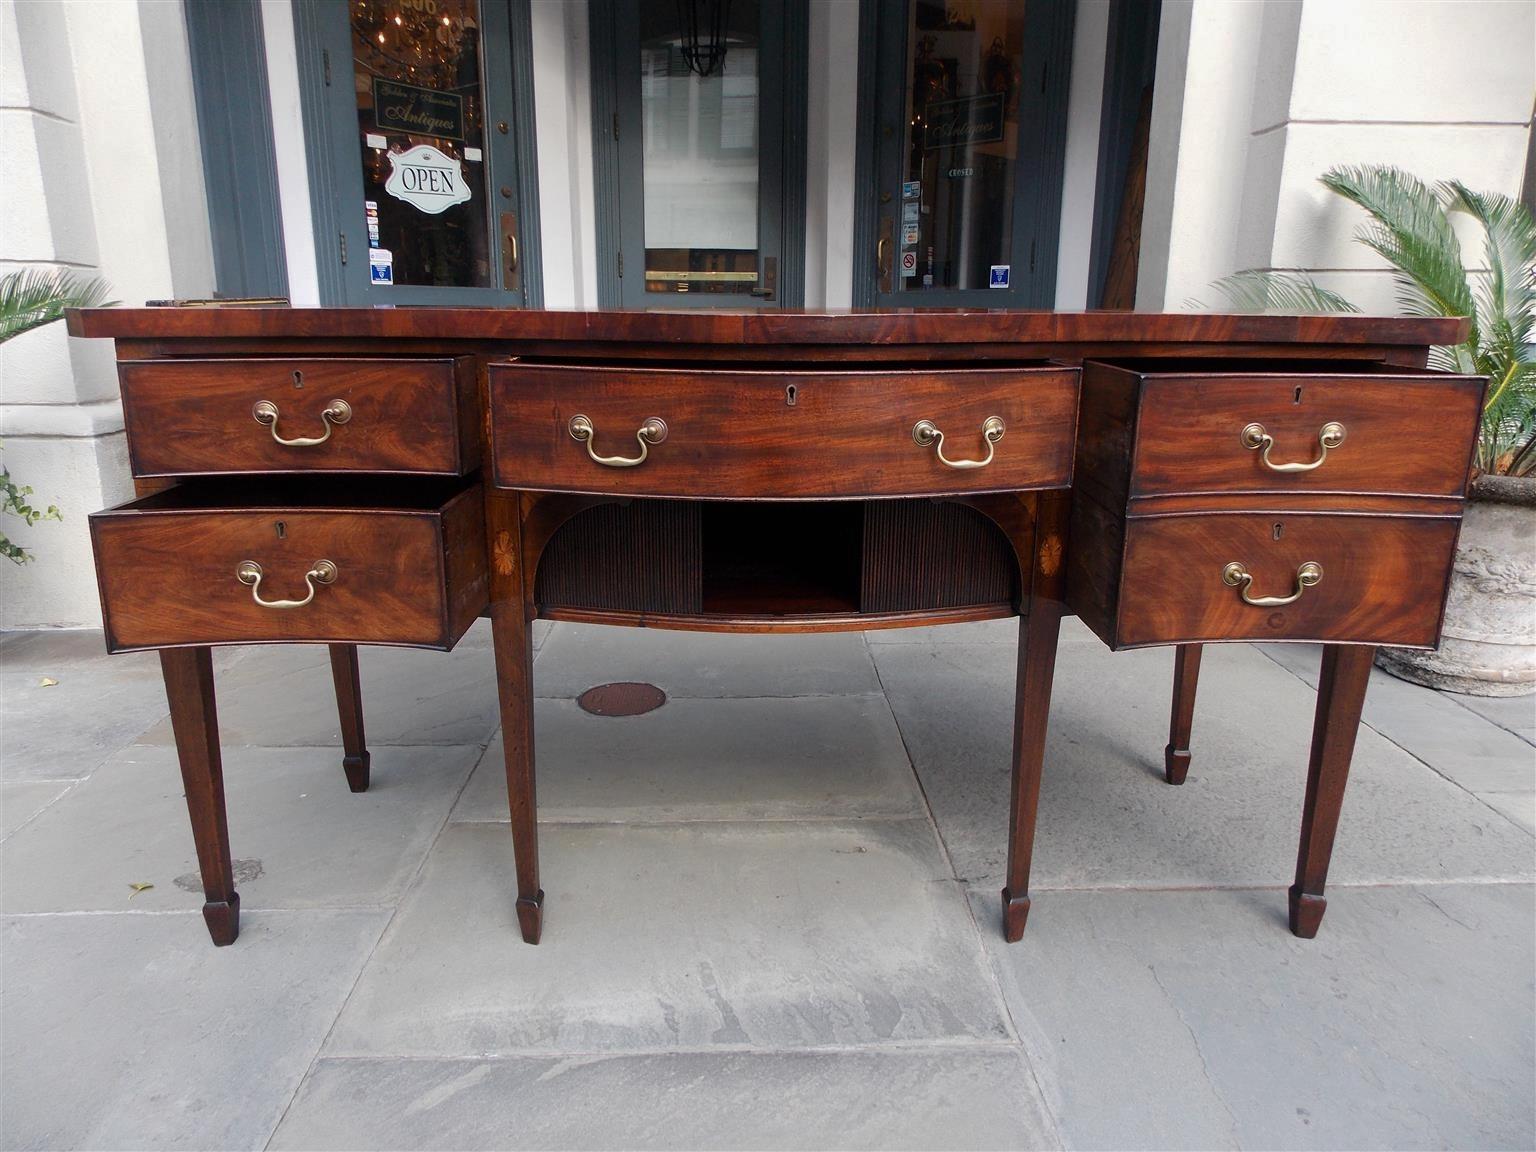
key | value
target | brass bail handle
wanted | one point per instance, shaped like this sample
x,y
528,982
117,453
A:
x,y
653,431
320,572
926,432
1237,576
334,413
1330,435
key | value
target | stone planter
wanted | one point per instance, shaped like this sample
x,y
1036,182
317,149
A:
x,y
1488,647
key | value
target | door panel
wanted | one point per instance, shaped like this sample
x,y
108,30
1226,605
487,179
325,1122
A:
x,y
700,92
970,139
419,129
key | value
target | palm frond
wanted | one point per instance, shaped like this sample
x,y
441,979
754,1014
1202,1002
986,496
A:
x,y
1277,292
1410,230
36,296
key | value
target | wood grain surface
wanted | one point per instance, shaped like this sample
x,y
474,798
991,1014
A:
x,y
744,435
193,417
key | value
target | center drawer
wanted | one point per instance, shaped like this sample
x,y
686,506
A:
x,y
781,434
387,563
300,414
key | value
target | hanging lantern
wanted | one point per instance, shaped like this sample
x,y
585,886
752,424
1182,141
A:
x,y
703,25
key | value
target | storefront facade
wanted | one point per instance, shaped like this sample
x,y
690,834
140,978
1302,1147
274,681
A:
x,y
695,153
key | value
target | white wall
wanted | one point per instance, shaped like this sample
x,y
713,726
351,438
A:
x,y
1255,101
1085,103
103,175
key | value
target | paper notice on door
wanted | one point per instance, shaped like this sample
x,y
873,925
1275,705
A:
x,y
381,266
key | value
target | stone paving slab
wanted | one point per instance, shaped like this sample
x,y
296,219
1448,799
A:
x,y
1434,726
704,664
1195,1020
299,837
1515,714
21,801
283,695
133,1031
814,757
774,935
977,1097
1107,818
66,730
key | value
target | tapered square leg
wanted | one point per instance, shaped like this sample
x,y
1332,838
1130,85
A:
x,y
1038,635
188,676
1186,676
511,637
349,708
1340,698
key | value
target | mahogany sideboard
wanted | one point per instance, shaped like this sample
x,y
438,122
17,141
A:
x,y
356,476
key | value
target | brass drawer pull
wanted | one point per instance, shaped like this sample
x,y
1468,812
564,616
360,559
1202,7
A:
x,y
926,432
334,413
653,431
1331,435
321,572
1238,576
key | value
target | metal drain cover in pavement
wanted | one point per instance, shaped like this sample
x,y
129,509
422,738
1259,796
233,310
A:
x,y
626,698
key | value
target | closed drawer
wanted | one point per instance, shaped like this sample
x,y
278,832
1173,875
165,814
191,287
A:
x,y
1380,579
781,435
388,563
209,417
1383,431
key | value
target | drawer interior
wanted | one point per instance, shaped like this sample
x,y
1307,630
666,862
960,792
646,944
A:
x,y
331,493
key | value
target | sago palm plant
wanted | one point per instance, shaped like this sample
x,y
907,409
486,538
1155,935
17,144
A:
x,y
28,300
1410,228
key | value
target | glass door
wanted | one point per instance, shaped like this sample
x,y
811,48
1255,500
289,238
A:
x,y
700,130
423,132
971,136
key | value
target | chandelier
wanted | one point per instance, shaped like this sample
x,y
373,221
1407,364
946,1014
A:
x,y
703,24
420,41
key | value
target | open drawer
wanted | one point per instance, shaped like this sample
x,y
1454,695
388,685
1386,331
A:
x,y
385,562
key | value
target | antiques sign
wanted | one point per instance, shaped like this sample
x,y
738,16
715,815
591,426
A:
x,y
427,179
419,111
957,123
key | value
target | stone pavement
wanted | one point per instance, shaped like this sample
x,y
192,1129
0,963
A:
x,y
772,912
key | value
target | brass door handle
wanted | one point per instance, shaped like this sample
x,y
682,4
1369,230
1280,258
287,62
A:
x,y
925,432
1330,435
334,413
320,572
653,431
512,252
1237,576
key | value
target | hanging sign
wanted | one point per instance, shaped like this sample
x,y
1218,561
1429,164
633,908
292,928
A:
x,y
419,111
956,123
427,179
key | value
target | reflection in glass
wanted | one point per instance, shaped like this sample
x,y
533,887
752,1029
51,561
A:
x,y
418,76
700,153
961,140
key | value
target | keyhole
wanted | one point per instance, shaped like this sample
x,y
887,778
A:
x,y
298,379
1278,530
789,395
1296,399
282,529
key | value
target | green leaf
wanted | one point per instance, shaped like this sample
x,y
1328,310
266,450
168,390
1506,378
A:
x,y
1410,230
1277,292
37,296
